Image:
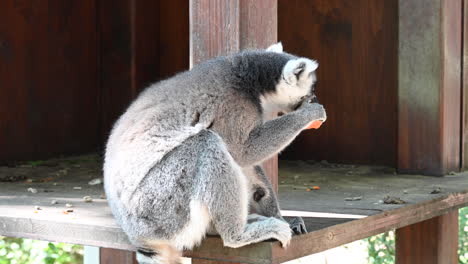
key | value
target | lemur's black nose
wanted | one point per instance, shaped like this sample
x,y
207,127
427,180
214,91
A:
x,y
314,99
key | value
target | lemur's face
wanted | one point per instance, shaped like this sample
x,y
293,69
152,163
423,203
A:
x,y
296,84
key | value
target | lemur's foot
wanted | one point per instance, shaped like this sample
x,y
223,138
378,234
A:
x,y
297,225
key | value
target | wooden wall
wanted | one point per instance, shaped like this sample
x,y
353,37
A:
x,y
355,43
69,68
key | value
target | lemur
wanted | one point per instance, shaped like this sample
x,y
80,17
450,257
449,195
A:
x,y
183,160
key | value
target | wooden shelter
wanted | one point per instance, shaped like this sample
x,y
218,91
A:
x,y
392,78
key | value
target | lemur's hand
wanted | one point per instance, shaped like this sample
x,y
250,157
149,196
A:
x,y
313,110
297,225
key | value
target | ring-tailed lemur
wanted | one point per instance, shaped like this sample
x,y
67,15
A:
x,y
181,160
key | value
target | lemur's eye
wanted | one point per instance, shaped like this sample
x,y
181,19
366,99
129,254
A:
x,y
258,194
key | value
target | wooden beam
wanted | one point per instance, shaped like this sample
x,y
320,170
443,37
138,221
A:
x,y
429,86
214,29
434,241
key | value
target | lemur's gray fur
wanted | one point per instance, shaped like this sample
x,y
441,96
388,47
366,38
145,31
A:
x,y
264,201
183,159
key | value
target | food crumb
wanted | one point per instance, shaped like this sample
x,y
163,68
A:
x,y
393,200
357,198
95,181
32,190
308,190
87,199
316,187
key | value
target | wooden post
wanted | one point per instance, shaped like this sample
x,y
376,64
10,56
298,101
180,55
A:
x,y
434,241
429,86
220,27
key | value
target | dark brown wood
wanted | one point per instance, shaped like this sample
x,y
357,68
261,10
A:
x,y
93,224
173,37
434,241
48,75
141,42
116,256
429,86
355,43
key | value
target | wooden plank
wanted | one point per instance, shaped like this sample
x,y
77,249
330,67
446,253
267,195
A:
x,y
48,78
356,45
119,39
138,48
173,48
116,256
434,241
429,86
214,29
93,224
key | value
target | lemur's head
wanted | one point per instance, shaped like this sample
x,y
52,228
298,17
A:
x,y
296,83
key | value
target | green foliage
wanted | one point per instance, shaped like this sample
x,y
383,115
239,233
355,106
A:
x,y
381,248
27,251
463,236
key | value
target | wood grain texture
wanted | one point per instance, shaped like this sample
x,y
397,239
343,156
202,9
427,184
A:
x,y
214,29
48,73
355,43
138,47
116,256
173,37
258,23
434,241
429,86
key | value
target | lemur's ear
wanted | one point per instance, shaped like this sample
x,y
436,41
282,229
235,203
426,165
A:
x,y
278,48
294,70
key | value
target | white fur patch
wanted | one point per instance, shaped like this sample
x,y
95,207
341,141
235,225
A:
x,y
290,89
194,231
278,48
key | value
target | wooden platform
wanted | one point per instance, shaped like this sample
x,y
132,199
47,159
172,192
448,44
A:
x,y
334,219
